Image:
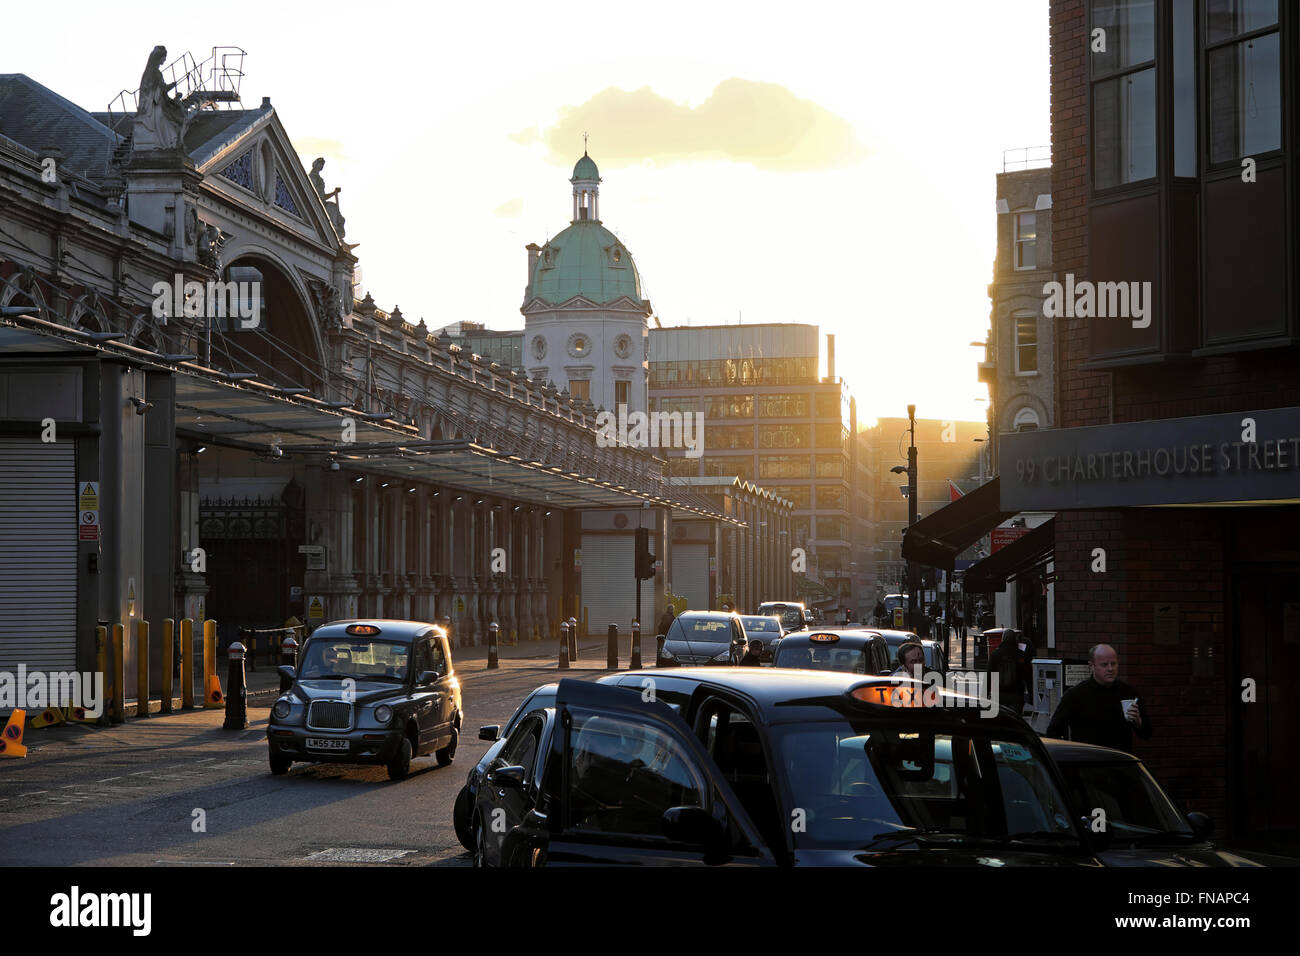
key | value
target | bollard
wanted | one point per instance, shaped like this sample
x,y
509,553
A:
x,y
101,662
119,677
248,637
659,648
611,648
168,655
211,685
288,658
564,645
142,668
187,663
237,699
635,664
494,634
573,640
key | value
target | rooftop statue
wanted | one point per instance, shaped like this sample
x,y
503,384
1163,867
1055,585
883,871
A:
x,y
328,198
160,120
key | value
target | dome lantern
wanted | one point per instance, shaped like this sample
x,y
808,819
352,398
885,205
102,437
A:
x,y
586,190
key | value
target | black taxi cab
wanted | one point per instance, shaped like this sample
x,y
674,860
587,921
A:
x,y
368,692
770,767
855,651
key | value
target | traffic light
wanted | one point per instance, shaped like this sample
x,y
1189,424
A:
x,y
645,559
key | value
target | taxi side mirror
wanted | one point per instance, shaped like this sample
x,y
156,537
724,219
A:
x,y
1202,826
489,732
693,825
507,778
288,672
426,677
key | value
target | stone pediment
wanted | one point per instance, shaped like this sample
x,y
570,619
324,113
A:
x,y
577,303
259,167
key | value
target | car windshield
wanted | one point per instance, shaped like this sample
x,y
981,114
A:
x,y
1132,801
753,624
702,630
355,657
927,648
862,785
820,658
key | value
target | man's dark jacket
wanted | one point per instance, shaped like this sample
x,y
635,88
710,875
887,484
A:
x,y
1092,714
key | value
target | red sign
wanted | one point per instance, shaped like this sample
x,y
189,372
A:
x,y
1004,536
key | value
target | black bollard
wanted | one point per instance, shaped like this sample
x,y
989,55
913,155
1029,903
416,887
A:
x,y
494,635
611,648
636,647
659,648
573,639
564,645
236,690
288,658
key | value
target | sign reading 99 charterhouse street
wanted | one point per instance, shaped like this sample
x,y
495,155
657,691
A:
x,y
1242,456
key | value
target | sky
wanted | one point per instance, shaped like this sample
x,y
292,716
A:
x,y
830,163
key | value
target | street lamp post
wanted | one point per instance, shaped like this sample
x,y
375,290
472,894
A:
x,y
912,569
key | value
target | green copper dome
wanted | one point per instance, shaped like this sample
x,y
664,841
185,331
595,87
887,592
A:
x,y
588,260
586,168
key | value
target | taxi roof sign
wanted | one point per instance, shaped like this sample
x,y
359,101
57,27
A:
x,y
821,638
362,629
887,695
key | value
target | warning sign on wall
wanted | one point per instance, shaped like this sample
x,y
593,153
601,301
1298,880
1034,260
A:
x,y
315,609
88,526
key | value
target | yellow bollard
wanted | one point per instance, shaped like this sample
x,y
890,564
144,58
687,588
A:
x,y
187,663
101,661
168,654
212,698
142,668
119,677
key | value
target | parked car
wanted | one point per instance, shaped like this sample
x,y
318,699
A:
x,y
1143,825
613,775
703,637
462,810
794,615
853,651
368,692
764,628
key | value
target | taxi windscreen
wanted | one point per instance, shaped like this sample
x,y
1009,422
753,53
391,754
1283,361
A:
x,y
355,657
862,786
808,657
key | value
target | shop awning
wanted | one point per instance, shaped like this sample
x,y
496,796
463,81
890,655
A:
x,y
938,538
1023,554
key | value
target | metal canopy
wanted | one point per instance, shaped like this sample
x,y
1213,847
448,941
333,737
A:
x,y
1026,552
255,416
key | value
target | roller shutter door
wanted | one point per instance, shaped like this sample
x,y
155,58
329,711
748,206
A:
x,y
607,594
38,555
691,575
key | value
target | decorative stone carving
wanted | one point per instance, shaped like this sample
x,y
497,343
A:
x,y
208,246
328,198
160,120
329,304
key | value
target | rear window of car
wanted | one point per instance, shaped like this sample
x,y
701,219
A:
x,y
760,624
852,660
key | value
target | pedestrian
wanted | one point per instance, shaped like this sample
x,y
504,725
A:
x,y
1101,710
753,654
911,660
959,619
1010,665
879,613
666,621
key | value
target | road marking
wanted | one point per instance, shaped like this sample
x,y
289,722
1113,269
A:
x,y
357,854
32,794
107,779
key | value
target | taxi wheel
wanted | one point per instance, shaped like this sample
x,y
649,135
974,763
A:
x,y
480,844
399,768
280,765
460,818
448,753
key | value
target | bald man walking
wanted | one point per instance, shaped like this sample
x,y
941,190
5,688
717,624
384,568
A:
x,y
1102,710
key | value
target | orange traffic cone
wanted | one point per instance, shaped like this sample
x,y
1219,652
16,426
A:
x,y
48,717
79,715
11,741
212,693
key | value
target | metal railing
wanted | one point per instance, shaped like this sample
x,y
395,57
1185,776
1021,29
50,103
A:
x,y
1026,157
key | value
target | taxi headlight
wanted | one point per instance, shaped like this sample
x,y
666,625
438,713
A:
x,y
383,713
281,709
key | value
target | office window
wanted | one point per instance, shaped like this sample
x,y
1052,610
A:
x,y
580,388
783,406
729,406
1025,239
830,466
1026,420
1184,40
729,436
1244,83
831,497
741,466
831,436
620,393
783,436
1026,342
784,466
827,405
799,494
1124,93
675,403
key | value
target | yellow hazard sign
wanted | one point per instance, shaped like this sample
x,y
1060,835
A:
x,y
88,496
315,609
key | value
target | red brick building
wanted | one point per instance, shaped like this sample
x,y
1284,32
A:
x,y
1175,162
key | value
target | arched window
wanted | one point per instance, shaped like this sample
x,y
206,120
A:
x,y
1026,420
